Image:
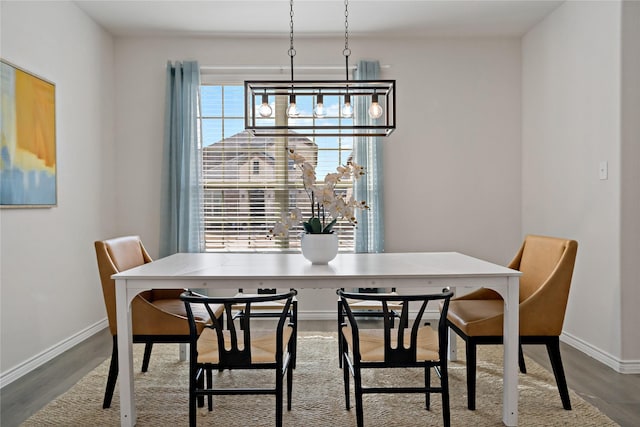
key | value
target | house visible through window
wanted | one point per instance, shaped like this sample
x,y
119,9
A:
x,y
249,182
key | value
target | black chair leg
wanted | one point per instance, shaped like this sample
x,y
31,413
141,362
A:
x,y
113,375
279,385
345,375
147,356
192,397
340,322
471,374
200,385
357,380
553,348
293,345
427,384
210,385
523,367
444,383
289,385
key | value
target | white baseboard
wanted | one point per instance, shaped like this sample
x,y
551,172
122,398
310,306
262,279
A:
x,y
318,315
618,365
40,359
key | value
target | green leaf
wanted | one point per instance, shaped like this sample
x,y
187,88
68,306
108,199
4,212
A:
x,y
314,225
329,227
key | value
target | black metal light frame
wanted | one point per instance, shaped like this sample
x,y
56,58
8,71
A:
x,y
360,92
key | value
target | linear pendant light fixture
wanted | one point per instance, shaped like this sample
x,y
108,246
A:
x,y
321,107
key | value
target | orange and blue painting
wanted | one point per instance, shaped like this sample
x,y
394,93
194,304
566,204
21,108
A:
x,y
28,146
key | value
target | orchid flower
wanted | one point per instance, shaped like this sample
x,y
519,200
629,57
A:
x,y
297,158
357,170
332,178
327,205
308,175
344,171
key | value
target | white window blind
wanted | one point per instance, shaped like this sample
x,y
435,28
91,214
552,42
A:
x,y
248,182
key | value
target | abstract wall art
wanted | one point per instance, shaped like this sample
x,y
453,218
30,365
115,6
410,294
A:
x,y
28,168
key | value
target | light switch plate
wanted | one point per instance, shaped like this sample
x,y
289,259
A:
x,y
604,170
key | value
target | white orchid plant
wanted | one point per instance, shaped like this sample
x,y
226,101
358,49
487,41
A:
x,y
327,205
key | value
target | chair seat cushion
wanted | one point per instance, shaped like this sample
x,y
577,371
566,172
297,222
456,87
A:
x,y
477,317
263,345
372,343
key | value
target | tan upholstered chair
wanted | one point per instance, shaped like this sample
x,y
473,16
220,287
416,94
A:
x,y
217,348
411,344
546,264
156,315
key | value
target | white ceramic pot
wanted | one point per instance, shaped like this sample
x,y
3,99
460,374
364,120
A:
x,y
319,248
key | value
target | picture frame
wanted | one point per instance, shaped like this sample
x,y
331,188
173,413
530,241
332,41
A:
x,y
28,156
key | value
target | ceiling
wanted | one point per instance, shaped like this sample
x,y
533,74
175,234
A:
x,y
270,18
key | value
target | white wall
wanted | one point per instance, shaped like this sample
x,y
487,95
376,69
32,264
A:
x,y
50,290
571,122
452,167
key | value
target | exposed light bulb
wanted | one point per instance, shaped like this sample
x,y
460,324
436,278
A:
x,y
292,109
265,109
320,111
375,110
347,109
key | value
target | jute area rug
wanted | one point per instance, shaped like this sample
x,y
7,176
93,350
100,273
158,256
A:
x,y
318,395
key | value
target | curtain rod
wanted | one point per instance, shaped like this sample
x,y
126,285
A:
x,y
281,68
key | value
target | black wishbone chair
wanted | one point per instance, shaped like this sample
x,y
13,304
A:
x,y
217,348
412,344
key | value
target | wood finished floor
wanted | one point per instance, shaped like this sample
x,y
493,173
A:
x,y
615,394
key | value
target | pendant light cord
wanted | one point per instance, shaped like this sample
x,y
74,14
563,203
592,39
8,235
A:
x,y
346,52
292,51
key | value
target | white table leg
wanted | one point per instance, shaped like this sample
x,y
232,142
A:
x,y
453,346
183,351
453,343
125,356
510,374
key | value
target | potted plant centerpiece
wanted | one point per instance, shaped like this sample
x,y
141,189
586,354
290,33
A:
x,y
319,242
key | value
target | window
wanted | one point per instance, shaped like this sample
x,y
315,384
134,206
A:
x,y
248,181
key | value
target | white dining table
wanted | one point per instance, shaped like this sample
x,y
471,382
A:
x,y
423,270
